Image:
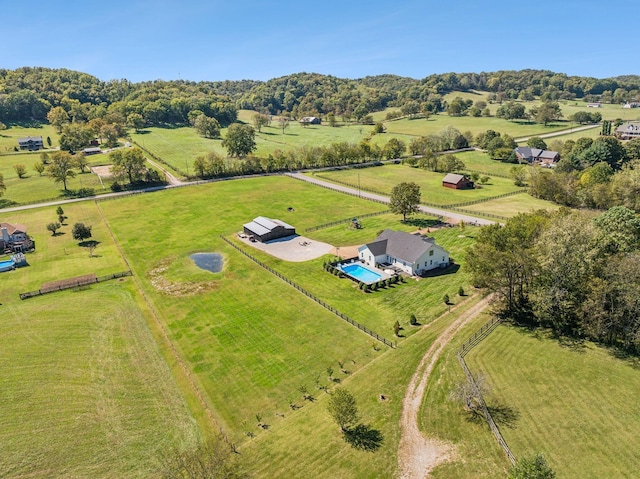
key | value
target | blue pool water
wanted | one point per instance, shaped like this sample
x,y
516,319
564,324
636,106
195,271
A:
x,y
361,274
6,265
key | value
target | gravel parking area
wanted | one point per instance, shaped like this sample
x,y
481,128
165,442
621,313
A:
x,y
292,248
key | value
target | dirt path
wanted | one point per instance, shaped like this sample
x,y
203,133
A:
x,y
418,455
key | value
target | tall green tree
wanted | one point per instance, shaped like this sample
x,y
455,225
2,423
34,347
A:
x,y
129,163
60,168
58,117
75,136
405,199
3,187
343,408
207,126
536,142
240,140
260,120
135,121
547,112
394,148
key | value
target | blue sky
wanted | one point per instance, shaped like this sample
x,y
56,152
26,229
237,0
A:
x,y
245,39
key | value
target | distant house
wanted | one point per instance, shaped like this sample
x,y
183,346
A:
x,y
413,254
536,156
457,182
92,151
633,104
14,237
264,229
310,120
628,131
594,105
31,143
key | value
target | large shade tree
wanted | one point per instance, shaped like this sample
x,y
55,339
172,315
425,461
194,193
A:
x,y
405,199
240,140
60,168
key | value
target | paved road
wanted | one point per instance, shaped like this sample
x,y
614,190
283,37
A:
x,y
452,216
560,133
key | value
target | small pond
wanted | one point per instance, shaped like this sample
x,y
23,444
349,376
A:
x,y
208,261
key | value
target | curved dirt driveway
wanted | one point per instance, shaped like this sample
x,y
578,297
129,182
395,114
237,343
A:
x,y
418,455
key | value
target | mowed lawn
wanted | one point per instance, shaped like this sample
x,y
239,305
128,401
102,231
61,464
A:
x,y
309,443
511,205
246,329
83,388
382,179
578,406
9,137
60,257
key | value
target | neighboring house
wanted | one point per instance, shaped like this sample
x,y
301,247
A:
x,y
628,131
633,104
594,105
457,182
92,151
31,143
265,229
536,156
310,120
14,238
413,254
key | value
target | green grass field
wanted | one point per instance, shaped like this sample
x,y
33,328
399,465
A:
x,y
9,137
576,405
220,333
383,178
249,340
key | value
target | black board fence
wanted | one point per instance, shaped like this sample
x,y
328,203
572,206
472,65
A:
x,y
361,327
76,284
345,220
467,346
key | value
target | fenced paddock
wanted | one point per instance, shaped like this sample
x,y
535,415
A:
x,y
361,327
467,346
70,283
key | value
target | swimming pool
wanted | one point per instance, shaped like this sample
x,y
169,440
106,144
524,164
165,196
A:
x,y
7,265
360,273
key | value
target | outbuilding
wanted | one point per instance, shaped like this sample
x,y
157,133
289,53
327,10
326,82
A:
x,y
457,182
264,229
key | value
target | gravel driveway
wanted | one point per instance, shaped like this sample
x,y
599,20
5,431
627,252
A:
x,y
292,248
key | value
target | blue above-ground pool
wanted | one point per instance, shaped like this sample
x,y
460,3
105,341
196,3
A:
x,y
7,265
360,273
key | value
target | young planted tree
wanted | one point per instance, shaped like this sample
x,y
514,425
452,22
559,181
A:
x,y
211,459
3,187
397,328
343,409
20,170
53,227
39,167
446,299
534,467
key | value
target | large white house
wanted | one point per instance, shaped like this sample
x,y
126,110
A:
x,y
413,254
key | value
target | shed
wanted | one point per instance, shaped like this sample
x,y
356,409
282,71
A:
x,y
457,182
265,229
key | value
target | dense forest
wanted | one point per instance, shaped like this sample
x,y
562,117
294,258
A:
x,y
28,94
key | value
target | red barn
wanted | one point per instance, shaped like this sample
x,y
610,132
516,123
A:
x,y
457,182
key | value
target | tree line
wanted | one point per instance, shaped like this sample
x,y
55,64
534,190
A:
x,y
28,94
573,271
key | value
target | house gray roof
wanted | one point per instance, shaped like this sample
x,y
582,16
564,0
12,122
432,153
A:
x,y
401,245
453,178
28,139
628,128
535,153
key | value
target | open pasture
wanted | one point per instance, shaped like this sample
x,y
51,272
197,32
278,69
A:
x,y
59,257
511,205
383,178
85,392
575,403
9,137
244,327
